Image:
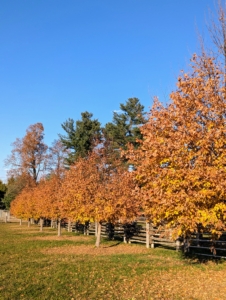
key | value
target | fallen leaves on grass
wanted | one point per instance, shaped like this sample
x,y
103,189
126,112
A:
x,y
61,238
91,250
189,283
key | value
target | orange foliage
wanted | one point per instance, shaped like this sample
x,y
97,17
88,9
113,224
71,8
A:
x,y
94,190
29,154
181,162
24,206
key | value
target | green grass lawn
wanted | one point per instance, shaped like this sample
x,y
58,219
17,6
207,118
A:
x,y
39,265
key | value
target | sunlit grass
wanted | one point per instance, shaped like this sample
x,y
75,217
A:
x,y
38,265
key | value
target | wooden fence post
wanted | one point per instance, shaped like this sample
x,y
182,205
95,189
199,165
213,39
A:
x,y
151,242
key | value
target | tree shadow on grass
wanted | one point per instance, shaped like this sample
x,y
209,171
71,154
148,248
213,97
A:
x,y
201,258
197,257
114,245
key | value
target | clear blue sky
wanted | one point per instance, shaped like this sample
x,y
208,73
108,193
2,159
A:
x,y
60,58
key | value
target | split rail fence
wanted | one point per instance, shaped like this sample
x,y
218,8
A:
x,y
136,232
201,244
145,233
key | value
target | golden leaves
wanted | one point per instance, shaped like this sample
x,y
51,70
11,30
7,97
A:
x,y
181,162
92,189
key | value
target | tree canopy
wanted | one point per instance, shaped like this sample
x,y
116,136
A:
x,y
181,161
57,158
14,187
81,136
29,154
125,127
3,189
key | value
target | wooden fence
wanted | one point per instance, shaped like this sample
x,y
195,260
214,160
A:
x,y
136,232
6,217
143,232
202,244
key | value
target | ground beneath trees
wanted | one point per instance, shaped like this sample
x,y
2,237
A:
x,y
91,250
41,265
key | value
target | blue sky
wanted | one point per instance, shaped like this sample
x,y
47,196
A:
x,y
61,58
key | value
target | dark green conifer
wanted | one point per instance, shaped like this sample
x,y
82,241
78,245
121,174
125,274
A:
x,y
124,128
81,136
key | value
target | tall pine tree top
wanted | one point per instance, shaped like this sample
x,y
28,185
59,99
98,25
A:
x,y
124,128
81,136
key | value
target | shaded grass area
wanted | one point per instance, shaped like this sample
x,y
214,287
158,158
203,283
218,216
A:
x,y
37,265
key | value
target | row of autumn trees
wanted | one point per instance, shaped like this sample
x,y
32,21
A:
x,y
94,189
180,166
87,179
178,158
32,159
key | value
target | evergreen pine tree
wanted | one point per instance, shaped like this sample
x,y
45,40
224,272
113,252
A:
x,y
124,128
82,136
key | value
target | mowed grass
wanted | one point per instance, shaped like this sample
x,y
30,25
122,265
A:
x,y
39,265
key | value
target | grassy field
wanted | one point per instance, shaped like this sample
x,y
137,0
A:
x,y
35,265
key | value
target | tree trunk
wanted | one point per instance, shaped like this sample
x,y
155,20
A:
x,y
20,221
178,244
51,224
96,228
98,235
69,225
28,222
59,228
41,224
